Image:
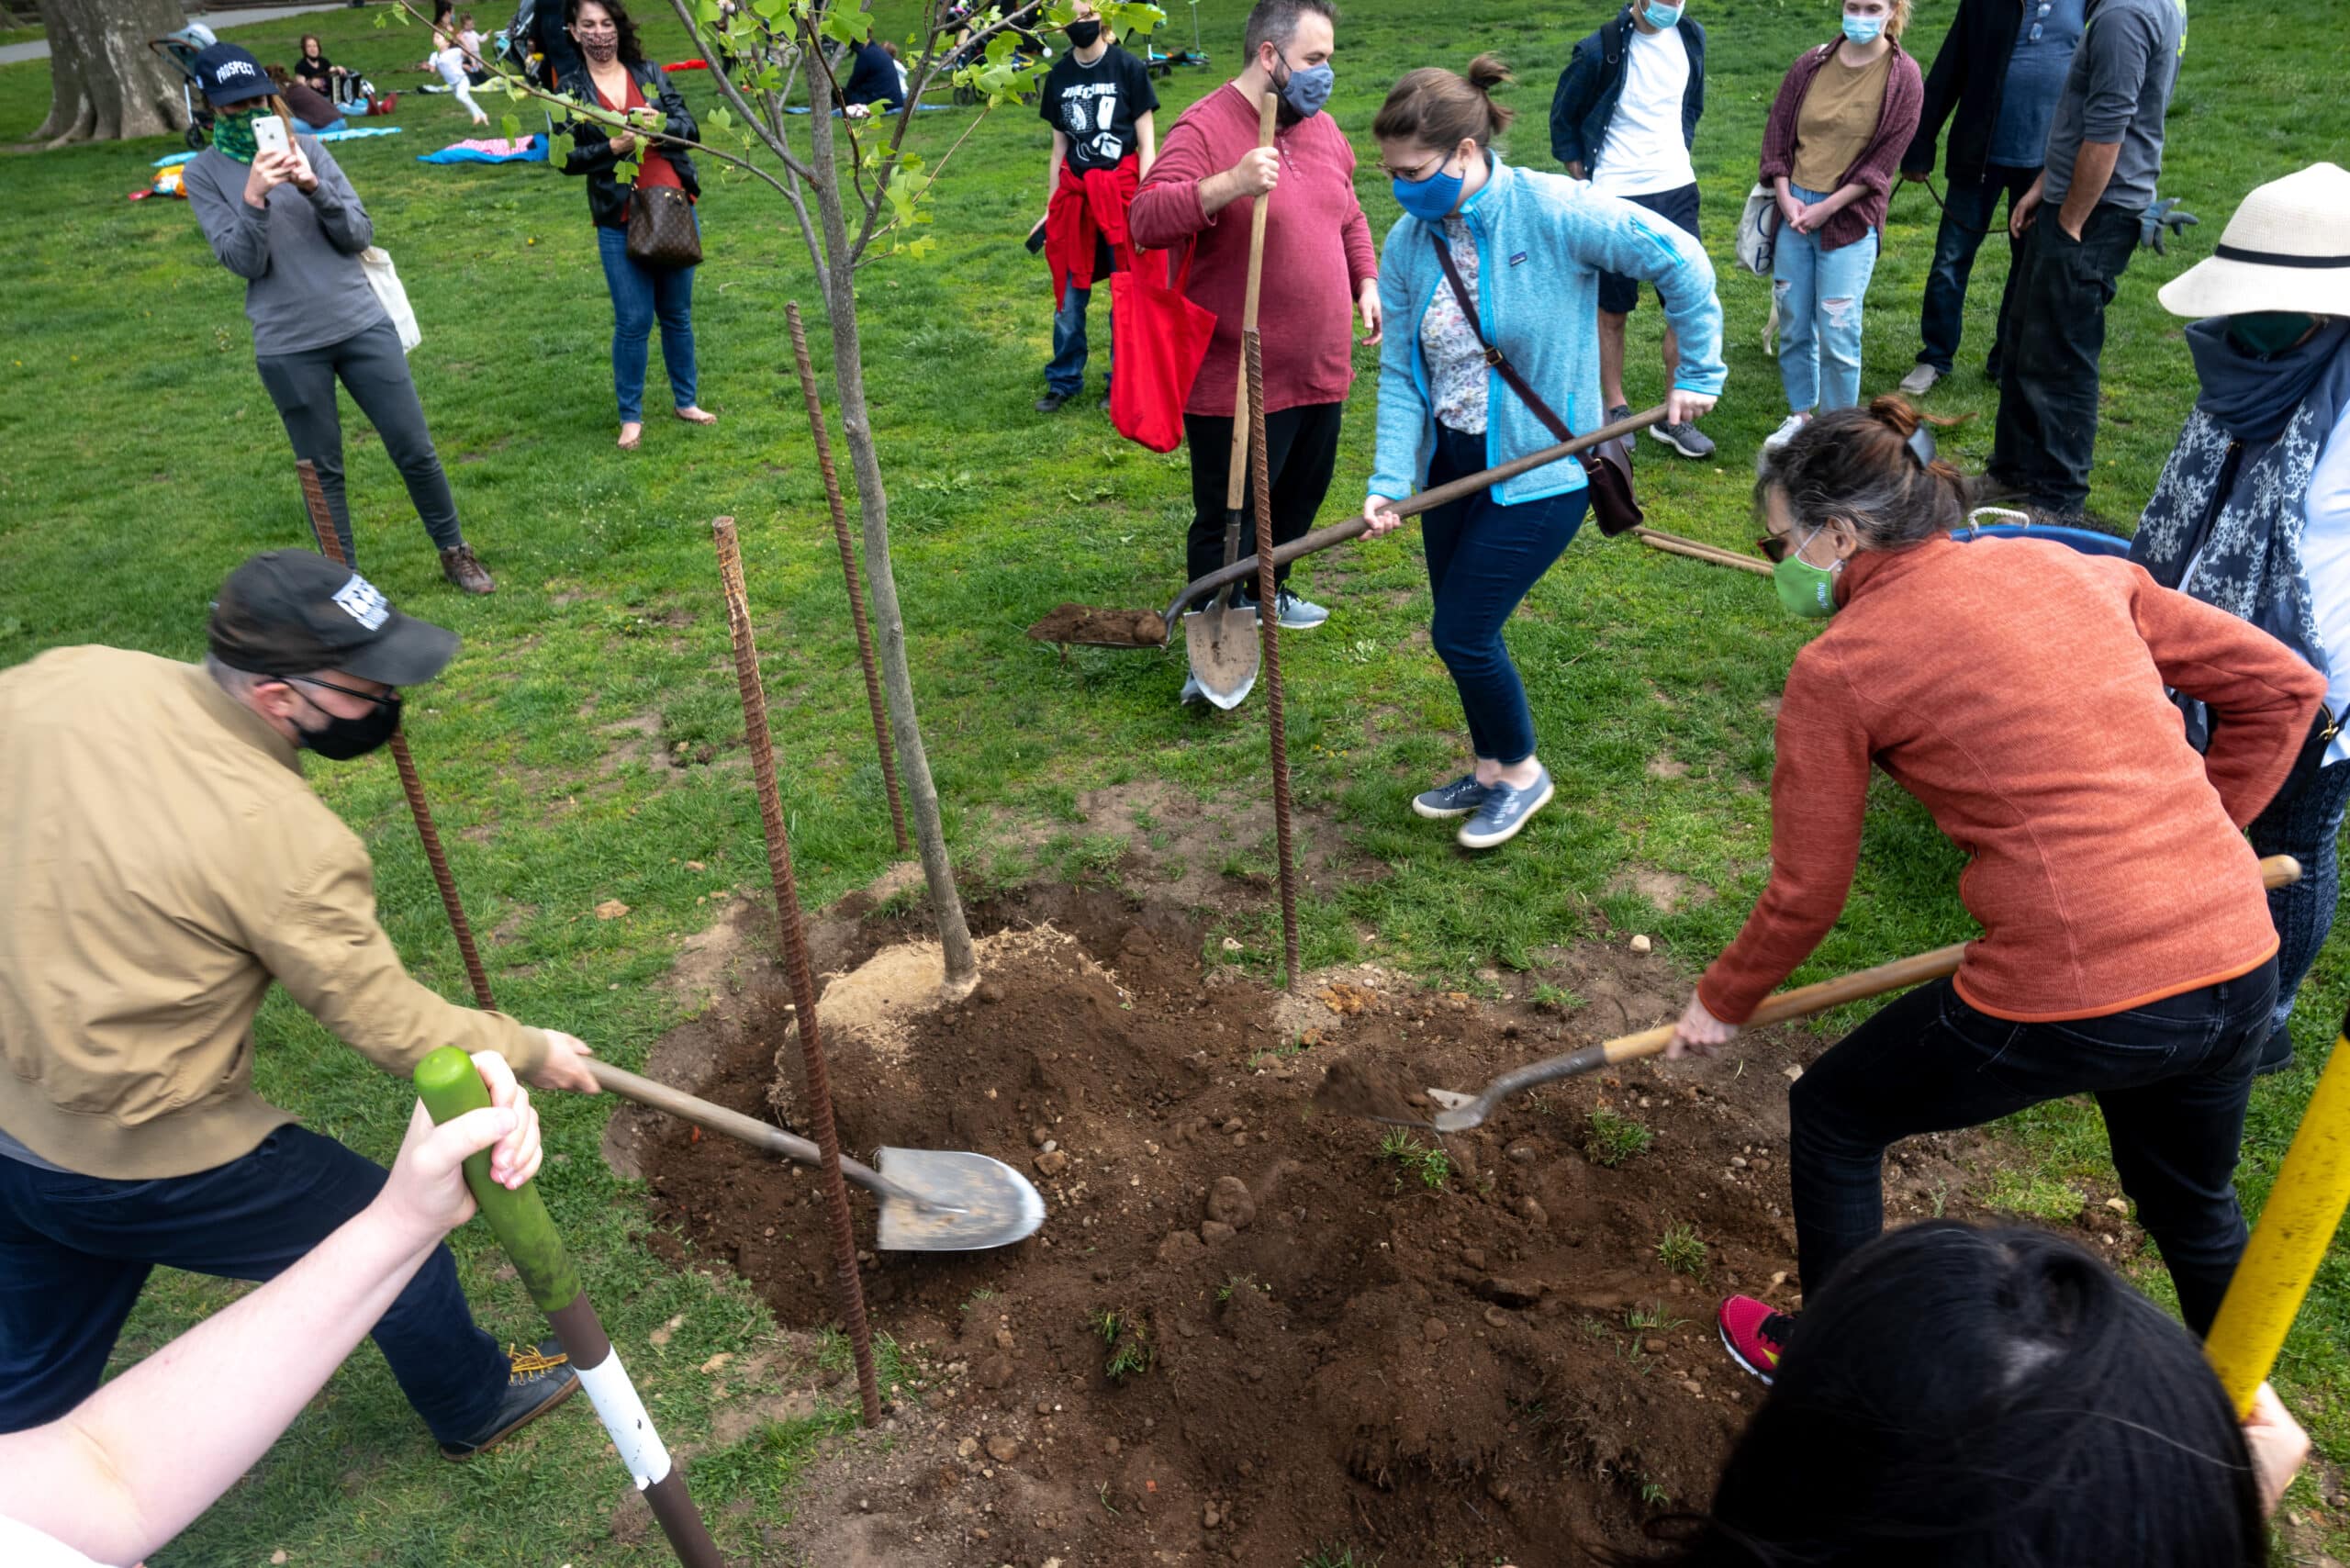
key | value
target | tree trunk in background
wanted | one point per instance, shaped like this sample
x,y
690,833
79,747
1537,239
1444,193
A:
x,y
105,85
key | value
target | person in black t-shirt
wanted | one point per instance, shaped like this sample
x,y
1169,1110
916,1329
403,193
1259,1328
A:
x,y
1100,103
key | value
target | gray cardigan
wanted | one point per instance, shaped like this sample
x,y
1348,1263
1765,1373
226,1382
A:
x,y
299,256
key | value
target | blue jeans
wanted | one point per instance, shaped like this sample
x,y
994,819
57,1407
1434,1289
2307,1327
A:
x,y
2303,825
2172,1078
1065,377
75,1251
1819,295
338,123
639,295
1967,211
1483,559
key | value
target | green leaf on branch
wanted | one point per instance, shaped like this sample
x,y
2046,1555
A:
x,y
718,119
922,247
625,171
845,26
559,150
512,127
770,9
706,13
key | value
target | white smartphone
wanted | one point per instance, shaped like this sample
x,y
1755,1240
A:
x,y
269,134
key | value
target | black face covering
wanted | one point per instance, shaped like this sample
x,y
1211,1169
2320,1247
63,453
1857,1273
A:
x,y
340,739
1083,34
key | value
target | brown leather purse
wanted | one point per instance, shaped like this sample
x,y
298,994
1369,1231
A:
x,y
1606,469
661,232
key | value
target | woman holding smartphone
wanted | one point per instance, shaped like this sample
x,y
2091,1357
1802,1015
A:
x,y
284,218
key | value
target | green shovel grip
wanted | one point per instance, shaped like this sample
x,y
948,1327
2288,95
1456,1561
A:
x,y
451,1086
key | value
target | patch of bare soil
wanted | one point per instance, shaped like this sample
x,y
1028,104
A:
x,y
1246,1330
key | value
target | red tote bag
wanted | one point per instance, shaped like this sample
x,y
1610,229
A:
x,y
1159,338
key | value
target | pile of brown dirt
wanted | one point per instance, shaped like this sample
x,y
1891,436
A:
x,y
1251,1327
1115,628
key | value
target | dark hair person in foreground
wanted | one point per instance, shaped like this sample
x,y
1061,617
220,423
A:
x,y
1964,1398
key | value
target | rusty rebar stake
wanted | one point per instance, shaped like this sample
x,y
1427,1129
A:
x,y
848,1291
848,572
411,782
1268,620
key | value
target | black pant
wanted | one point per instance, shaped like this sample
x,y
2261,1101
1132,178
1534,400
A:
x,y
2172,1077
2053,332
1966,220
1301,454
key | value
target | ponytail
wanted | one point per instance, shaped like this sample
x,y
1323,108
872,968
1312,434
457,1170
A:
x,y
1434,107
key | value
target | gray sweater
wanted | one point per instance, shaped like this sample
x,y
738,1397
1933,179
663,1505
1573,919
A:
x,y
2118,90
299,256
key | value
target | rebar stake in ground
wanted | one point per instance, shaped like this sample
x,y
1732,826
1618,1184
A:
x,y
411,782
1268,624
848,571
848,1289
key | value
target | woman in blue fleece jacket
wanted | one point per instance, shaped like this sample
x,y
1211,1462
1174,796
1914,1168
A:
x,y
1530,247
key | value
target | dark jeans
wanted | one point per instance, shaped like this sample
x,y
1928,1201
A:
x,y
640,294
1483,559
372,367
1967,211
2305,825
2054,330
1301,454
2172,1077
75,1249
1066,374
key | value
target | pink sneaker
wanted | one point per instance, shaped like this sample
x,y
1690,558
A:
x,y
1754,1334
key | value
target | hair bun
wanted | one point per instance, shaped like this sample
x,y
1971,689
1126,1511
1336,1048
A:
x,y
1897,412
1488,71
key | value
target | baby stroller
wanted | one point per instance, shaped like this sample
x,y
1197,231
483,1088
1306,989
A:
x,y
181,50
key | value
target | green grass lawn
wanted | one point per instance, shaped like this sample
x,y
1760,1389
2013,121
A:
x,y
139,460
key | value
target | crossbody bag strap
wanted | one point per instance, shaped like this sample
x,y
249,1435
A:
x,y
1494,356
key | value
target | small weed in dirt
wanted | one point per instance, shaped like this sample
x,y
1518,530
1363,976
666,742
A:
x,y
1239,1281
1128,1340
1651,1319
1653,1494
1610,1137
1296,1045
1412,1158
1338,1557
1557,998
1680,1251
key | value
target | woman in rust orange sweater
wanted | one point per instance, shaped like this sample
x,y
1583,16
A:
x,y
2017,689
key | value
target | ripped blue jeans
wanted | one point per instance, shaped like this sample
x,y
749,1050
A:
x,y
1818,294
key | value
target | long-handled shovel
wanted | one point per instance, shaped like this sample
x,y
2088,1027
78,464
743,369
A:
x,y
931,1201
1223,659
1462,1112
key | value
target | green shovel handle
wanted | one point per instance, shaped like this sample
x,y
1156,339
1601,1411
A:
x,y
450,1086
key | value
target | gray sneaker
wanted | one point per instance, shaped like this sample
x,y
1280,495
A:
x,y
1191,692
1920,380
1458,799
1297,614
1684,439
1504,813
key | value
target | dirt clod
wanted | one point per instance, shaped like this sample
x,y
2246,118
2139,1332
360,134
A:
x,y
1229,1203
1085,624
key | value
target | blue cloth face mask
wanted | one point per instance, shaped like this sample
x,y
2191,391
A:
x,y
1429,200
1663,18
1864,30
1305,92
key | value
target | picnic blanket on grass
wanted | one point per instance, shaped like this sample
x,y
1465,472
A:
x,y
490,150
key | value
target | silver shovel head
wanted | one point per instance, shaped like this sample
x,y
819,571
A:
x,y
1224,652
958,1201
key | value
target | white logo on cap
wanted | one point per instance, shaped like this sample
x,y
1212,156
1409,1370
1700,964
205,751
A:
x,y
228,68
362,603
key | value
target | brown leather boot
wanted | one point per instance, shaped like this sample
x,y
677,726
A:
x,y
459,564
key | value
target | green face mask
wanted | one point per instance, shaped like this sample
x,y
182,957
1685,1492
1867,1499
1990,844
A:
x,y
233,134
1805,591
2266,332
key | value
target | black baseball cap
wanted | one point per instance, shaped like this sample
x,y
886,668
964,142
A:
x,y
294,612
229,74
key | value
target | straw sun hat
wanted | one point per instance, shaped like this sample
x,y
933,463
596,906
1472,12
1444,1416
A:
x,y
2287,248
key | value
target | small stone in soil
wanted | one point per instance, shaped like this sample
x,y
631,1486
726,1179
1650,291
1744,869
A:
x,y
1003,1450
1110,1447
1212,1231
1434,1330
1053,1162
1229,1201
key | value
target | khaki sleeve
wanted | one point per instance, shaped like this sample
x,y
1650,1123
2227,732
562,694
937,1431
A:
x,y
326,948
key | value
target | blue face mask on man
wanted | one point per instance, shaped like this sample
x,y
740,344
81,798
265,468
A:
x,y
1862,30
1663,18
1429,200
1304,92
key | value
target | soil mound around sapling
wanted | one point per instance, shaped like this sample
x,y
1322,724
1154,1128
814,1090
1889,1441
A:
x,y
1086,623
1251,1326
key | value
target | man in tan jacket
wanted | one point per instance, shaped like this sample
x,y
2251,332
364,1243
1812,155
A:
x,y
162,861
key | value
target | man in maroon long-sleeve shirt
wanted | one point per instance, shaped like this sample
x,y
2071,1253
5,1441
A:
x,y
1319,271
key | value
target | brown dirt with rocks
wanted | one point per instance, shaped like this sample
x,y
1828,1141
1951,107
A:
x,y
1477,1360
1114,628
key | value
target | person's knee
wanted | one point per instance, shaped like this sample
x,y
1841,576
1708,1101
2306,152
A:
x,y
1819,1120
1468,646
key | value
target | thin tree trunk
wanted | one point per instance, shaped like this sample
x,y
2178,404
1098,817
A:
x,y
105,85
873,510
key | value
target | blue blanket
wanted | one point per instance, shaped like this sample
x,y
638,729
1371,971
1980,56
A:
x,y
490,152
166,162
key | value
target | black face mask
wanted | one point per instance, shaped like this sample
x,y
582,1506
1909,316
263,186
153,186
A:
x,y
340,739
1083,34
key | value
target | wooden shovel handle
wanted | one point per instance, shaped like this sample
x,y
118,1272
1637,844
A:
x,y
1237,478
734,1123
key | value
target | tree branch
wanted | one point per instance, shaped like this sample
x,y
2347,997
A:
x,y
733,95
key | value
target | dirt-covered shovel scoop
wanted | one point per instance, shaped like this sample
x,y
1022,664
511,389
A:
x,y
929,1201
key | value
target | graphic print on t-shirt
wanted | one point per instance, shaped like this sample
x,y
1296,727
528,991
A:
x,y
1096,106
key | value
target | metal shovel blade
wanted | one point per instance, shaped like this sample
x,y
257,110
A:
x,y
1224,657
957,1202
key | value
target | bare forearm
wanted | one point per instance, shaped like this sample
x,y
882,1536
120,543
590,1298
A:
x,y
2092,171
1842,198
1053,169
1146,130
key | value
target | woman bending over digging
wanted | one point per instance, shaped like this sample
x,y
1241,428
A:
x,y
2016,689
1486,253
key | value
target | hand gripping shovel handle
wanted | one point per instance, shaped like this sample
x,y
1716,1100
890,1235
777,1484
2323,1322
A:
x,y
2277,871
450,1087
1426,500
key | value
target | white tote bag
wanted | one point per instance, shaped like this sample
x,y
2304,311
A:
x,y
386,281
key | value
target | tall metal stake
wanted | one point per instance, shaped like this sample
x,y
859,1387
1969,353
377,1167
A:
x,y
411,782
848,1289
1269,629
848,571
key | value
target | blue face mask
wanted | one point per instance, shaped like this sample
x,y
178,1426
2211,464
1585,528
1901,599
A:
x,y
1662,18
1305,92
1429,200
1864,30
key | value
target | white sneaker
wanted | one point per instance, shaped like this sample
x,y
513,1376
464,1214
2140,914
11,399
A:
x,y
1920,380
1786,432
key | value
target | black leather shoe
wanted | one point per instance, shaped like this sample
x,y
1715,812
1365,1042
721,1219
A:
x,y
536,1382
2276,1054
1050,403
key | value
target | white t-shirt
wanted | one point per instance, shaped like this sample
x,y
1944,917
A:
x,y
1644,154
21,1546
2325,555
